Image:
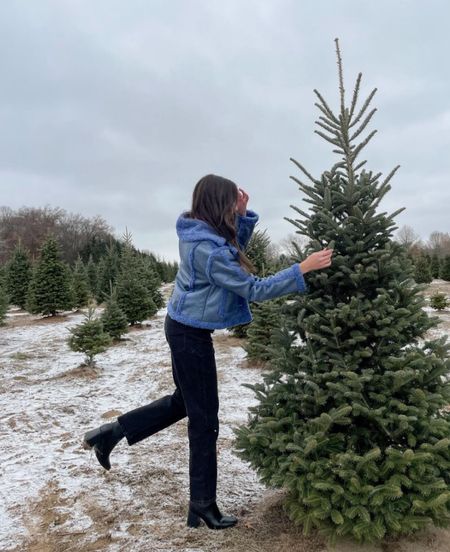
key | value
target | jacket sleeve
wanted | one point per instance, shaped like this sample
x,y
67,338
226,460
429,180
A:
x,y
245,225
224,270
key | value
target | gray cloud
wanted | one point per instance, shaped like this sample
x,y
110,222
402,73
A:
x,y
117,108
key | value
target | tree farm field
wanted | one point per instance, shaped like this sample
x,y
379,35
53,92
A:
x,y
55,496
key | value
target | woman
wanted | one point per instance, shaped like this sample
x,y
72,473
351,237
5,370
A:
x,y
213,287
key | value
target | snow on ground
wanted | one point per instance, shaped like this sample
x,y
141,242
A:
x,y
56,497
48,402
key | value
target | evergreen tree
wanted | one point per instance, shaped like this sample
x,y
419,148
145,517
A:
x,y
351,420
445,269
133,297
80,284
151,279
422,272
18,276
89,337
438,301
72,299
435,266
114,320
266,317
256,251
30,301
108,269
3,271
92,276
4,303
50,286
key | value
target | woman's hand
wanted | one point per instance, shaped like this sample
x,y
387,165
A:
x,y
317,260
241,205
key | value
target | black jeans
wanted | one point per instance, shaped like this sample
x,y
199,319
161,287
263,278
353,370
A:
x,y
196,396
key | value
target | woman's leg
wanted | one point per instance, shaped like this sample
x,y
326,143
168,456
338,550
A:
x,y
140,423
195,370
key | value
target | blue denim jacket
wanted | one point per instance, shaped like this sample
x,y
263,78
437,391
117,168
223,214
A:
x,y
211,289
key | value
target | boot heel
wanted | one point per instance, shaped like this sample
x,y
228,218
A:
x,y
193,520
90,438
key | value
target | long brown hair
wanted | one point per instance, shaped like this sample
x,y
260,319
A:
x,y
213,201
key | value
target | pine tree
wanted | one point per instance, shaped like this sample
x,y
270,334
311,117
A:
x,y
50,286
438,301
256,251
266,317
89,337
30,301
80,284
114,320
18,276
133,297
435,266
4,304
92,276
351,420
3,271
445,269
151,279
108,270
422,272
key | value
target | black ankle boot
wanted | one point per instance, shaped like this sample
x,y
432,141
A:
x,y
210,515
103,439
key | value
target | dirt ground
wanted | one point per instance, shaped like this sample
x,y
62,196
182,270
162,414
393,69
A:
x,y
56,497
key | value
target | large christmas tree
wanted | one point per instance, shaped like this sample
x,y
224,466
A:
x,y
351,422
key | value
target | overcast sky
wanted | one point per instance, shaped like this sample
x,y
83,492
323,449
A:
x,y
117,108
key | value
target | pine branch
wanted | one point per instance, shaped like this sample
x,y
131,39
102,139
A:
x,y
328,121
363,125
326,107
325,114
328,128
302,185
364,107
305,172
362,144
375,178
389,176
303,213
325,137
360,165
355,95
341,79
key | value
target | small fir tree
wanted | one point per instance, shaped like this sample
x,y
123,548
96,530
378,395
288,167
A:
x,y
114,320
50,286
80,284
133,297
256,251
438,301
4,304
435,266
92,276
422,272
18,276
352,421
3,271
151,279
266,317
445,269
89,337
108,270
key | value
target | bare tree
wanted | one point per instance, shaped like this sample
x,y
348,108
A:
x,y
439,243
406,236
292,243
32,225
